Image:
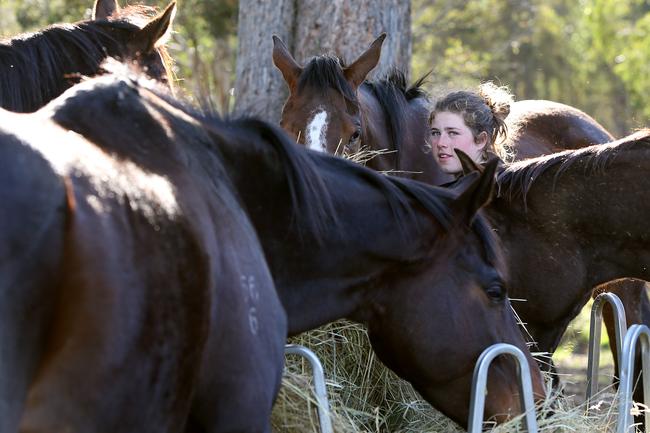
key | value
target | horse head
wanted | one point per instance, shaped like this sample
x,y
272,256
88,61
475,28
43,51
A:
x,y
322,111
431,322
140,36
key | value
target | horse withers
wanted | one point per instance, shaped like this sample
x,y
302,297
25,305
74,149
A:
x,y
417,264
332,108
37,67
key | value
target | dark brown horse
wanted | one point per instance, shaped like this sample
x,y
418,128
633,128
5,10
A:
x,y
123,272
539,127
332,109
340,240
37,67
569,222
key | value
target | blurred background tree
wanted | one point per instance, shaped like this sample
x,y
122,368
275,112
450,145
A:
x,y
308,28
592,54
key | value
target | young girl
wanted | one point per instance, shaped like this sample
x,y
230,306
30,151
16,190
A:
x,y
472,122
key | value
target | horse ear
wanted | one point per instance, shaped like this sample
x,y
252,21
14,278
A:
x,y
468,163
357,71
284,61
157,31
104,9
473,195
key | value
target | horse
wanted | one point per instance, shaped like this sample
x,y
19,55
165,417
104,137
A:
x,y
570,222
332,108
417,264
37,67
539,127
122,274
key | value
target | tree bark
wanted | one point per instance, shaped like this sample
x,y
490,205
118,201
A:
x,y
259,87
344,28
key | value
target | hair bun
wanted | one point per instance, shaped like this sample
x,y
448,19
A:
x,y
498,98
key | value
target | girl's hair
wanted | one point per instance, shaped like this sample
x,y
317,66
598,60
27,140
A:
x,y
482,111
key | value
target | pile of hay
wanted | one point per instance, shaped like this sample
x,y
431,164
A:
x,y
367,397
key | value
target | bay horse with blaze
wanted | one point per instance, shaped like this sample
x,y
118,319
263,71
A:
x,y
332,108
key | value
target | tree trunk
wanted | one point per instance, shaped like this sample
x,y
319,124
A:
x,y
309,28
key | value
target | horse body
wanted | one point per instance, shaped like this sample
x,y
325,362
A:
x,y
572,221
152,279
539,127
340,241
382,123
37,67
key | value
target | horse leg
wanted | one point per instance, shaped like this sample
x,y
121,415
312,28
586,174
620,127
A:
x,y
634,296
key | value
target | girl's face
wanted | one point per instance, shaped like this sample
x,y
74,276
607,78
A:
x,y
449,132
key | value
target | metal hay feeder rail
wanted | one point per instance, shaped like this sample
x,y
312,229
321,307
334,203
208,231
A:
x,y
479,383
634,334
595,327
319,384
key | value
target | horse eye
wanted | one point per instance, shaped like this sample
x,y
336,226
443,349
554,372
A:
x,y
496,291
356,135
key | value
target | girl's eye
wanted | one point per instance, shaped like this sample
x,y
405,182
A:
x,y
435,132
453,133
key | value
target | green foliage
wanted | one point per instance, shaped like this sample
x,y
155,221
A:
x,y
592,54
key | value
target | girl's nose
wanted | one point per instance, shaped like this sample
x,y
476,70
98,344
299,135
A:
x,y
442,142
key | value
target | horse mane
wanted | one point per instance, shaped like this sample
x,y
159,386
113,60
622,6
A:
x,y
394,96
40,60
517,178
325,71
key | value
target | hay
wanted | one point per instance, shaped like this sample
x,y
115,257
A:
x,y
367,397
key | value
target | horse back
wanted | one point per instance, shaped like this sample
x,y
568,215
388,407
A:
x,y
539,127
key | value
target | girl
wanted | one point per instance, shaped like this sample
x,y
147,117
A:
x,y
472,122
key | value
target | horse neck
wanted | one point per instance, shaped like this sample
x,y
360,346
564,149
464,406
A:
x,y
594,206
376,131
324,276
399,129
38,65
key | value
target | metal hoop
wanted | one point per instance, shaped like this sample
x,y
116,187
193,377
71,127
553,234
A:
x,y
479,384
633,335
595,328
319,384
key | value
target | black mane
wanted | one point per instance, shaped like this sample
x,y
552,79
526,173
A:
x,y
517,178
324,72
394,97
35,67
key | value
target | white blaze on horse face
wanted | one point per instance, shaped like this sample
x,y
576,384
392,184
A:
x,y
316,130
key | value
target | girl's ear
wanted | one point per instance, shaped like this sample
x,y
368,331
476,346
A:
x,y
481,140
